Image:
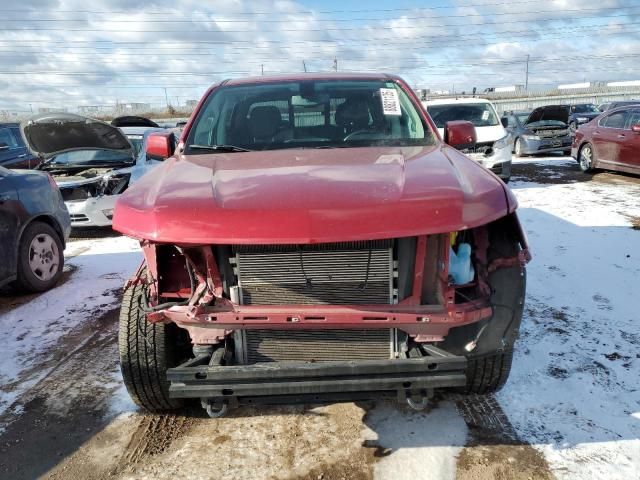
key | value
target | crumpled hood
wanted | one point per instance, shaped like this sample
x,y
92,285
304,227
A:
x,y
51,134
310,196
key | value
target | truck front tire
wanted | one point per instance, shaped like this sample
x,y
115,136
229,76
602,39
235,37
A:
x,y
489,373
147,350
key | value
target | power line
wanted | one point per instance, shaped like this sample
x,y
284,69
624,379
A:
x,y
298,12
338,29
376,40
224,20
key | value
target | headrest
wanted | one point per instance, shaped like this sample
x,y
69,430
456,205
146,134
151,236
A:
x,y
264,122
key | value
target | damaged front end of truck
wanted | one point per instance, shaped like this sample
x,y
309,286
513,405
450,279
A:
x,y
315,240
337,321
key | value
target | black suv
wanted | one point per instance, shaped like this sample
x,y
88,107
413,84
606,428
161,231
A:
x,y
13,152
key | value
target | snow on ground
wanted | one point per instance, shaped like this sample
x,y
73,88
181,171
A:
x,y
574,388
99,269
415,446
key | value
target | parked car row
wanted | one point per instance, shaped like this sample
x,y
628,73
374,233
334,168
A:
x,y
67,171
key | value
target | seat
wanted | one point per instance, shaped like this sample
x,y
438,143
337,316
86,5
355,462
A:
x,y
353,115
264,123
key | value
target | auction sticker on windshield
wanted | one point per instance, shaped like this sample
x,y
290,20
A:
x,y
390,102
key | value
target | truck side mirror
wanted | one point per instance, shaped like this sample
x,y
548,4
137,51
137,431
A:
x,y
160,145
504,121
460,134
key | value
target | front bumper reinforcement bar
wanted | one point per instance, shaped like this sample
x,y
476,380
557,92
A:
x,y
235,384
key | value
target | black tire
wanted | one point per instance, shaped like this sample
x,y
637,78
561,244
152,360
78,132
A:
x,y
147,350
586,164
488,374
33,280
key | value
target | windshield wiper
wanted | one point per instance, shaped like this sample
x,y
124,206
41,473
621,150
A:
x,y
219,148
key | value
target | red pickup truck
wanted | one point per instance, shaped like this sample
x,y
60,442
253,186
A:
x,y
312,238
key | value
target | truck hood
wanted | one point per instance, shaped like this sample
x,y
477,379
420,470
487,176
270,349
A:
x,y
52,134
302,196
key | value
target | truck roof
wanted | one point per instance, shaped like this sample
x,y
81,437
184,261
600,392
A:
x,y
312,76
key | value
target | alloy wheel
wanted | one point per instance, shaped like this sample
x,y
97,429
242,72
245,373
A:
x,y
44,257
586,158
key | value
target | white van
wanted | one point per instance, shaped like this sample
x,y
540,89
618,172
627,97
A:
x,y
493,149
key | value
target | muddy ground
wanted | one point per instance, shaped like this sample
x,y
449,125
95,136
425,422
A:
x,y
67,427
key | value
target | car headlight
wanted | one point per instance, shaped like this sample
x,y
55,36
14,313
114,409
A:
x,y
501,143
108,213
530,137
582,119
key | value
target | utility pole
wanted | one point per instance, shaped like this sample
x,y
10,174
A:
x,y
526,79
166,97
304,65
262,69
335,64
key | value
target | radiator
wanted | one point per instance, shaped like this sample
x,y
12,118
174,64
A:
x,y
335,274
263,345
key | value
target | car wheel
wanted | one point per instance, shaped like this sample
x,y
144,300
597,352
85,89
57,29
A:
x,y
586,158
40,258
146,350
517,149
488,374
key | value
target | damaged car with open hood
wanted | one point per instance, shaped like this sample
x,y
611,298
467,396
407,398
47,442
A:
x,y
311,239
92,162
544,130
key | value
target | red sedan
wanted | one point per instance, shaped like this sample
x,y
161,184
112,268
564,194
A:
x,y
610,141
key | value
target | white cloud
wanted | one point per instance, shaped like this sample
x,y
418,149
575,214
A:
x,y
185,45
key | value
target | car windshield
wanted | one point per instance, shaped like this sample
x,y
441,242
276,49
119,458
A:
x,y
307,114
480,114
585,108
83,157
136,141
522,117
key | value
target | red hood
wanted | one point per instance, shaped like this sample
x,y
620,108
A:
x,y
310,196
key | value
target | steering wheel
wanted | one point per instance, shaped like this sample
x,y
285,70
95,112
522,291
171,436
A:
x,y
356,133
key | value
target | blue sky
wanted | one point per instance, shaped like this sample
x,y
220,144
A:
x,y
97,52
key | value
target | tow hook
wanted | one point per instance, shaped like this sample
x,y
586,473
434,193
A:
x,y
419,401
215,408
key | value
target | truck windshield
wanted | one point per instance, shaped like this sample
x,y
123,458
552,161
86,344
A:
x,y
307,114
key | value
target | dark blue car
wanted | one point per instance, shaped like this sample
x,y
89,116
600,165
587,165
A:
x,y
13,151
34,228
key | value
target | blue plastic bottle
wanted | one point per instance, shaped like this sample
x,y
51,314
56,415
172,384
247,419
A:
x,y
460,267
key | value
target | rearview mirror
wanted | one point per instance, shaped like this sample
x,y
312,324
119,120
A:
x,y
505,122
636,128
160,145
460,134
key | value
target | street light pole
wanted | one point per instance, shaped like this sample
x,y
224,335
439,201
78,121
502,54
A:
x,y
526,80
